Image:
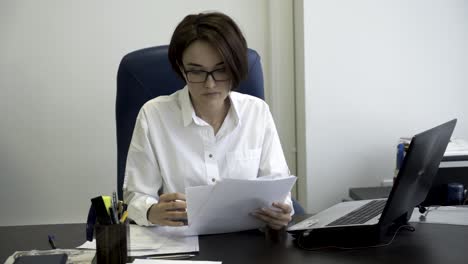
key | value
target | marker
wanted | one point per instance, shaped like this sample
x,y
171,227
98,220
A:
x,y
124,217
107,203
52,242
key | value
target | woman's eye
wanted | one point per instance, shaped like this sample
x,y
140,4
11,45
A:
x,y
197,72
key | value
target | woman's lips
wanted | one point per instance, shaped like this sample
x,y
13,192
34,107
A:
x,y
211,94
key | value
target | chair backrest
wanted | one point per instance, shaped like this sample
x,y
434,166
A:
x,y
147,73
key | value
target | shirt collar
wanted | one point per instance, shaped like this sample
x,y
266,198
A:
x,y
235,107
188,112
186,106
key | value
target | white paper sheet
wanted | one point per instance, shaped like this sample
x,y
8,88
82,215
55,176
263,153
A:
x,y
155,240
226,206
161,261
451,215
457,147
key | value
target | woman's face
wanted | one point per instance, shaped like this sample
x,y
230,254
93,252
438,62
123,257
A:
x,y
201,57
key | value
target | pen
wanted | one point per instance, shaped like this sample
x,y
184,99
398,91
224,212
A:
x,y
52,242
115,204
124,217
113,215
175,256
120,208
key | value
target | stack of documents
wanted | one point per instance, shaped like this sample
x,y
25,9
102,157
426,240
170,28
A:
x,y
226,206
154,241
456,154
457,147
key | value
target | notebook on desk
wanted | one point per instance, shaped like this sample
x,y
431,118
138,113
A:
x,y
367,222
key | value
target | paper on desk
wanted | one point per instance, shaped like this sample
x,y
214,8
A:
x,y
226,206
162,261
154,240
457,147
451,215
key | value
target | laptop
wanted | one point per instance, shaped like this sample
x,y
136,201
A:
x,y
368,222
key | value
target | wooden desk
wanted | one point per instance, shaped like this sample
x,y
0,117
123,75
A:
x,y
430,243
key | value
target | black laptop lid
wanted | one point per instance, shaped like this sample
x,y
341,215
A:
x,y
417,173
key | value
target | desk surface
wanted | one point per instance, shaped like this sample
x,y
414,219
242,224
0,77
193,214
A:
x,y
430,243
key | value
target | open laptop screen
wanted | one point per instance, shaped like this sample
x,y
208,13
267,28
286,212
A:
x,y
417,173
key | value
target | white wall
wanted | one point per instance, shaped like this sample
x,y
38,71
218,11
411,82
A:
x,y
281,96
374,71
58,70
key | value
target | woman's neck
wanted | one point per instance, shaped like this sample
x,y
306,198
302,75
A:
x,y
213,114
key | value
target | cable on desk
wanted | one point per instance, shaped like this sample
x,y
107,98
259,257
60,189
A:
x,y
301,246
424,212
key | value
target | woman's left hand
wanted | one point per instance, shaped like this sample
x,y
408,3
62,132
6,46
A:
x,y
276,218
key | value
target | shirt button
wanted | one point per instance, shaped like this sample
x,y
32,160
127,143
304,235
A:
x,y
210,156
213,179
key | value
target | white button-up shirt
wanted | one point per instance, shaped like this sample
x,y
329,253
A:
x,y
172,149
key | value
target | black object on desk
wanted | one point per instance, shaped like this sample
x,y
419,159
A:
x,y
111,243
42,259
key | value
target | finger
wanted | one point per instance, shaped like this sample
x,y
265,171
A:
x,y
173,205
271,221
172,223
272,213
275,216
274,225
283,207
172,197
176,215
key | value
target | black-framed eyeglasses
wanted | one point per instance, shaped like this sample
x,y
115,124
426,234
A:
x,y
200,76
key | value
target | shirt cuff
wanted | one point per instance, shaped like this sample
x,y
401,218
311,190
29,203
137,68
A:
x,y
137,210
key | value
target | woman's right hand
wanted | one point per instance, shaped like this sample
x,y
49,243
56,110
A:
x,y
170,211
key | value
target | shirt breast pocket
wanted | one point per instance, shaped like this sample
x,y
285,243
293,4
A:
x,y
243,164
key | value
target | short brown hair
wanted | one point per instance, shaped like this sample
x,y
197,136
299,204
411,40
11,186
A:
x,y
220,31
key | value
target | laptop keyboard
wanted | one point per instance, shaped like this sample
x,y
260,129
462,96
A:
x,y
362,214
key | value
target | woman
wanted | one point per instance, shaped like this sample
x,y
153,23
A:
x,y
203,133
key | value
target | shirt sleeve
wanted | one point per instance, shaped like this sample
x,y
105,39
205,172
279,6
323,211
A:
x,y
272,161
143,179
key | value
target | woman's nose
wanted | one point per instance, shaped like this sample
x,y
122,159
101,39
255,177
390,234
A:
x,y
210,82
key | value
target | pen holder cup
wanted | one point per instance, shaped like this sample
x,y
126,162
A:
x,y
112,243
276,236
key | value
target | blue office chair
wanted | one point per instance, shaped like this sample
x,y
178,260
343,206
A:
x,y
147,73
